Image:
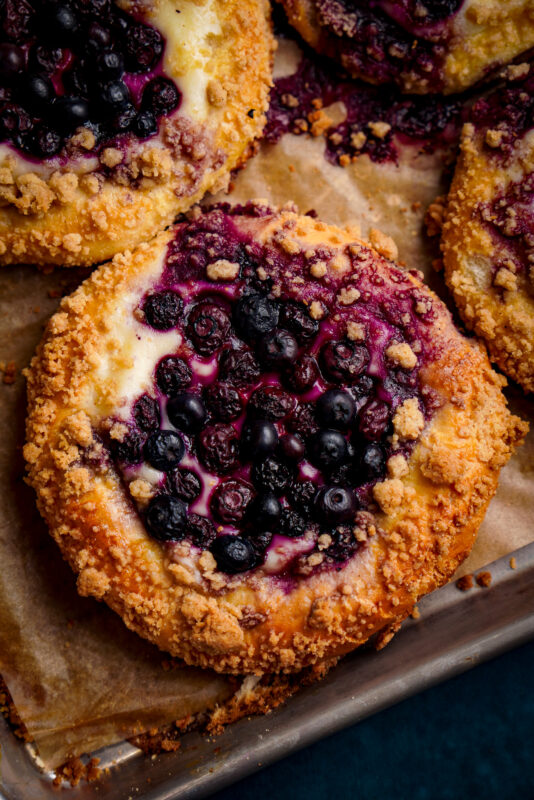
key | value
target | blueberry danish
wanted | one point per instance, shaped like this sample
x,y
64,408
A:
x,y
488,235
422,45
115,116
260,441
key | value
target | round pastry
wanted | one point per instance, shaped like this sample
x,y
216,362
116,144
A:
x,y
116,116
260,441
423,46
488,235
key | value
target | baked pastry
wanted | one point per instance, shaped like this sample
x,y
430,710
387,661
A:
x,y
260,441
115,116
424,46
488,235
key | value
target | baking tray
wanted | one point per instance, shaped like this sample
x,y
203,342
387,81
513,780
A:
x,y
456,631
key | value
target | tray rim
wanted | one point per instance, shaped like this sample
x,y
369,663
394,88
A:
x,y
247,746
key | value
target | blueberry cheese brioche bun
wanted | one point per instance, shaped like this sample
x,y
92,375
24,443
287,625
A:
x,y
426,46
260,441
117,115
488,235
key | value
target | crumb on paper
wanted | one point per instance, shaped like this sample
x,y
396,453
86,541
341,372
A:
x,y
465,583
9,371
513,563
484,579
415,613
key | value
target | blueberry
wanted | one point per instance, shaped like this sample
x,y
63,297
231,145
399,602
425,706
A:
x,y
58,23
13,121
145,124
335,409
296,318
223,401
258,438
233,554
301,494
218,448
238,367
270,402
278,350
124,121
186,412
230,499
146,413
143,47
45,59
265,510
109,64
130,448
374,419
208,326
327,449
303,420
271,474
98,38
255,315
12,63
172,375
344,544
166,518
70,113
76,81
343,361
37,92
372,462
113,98
45,142
200,530
300,377
335,504
292,524
260,541
164,450
184,484
292,447
163,310
161,96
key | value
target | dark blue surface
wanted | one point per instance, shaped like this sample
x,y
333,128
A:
x,y
472,737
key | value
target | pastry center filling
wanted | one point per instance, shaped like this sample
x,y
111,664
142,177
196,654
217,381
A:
x,y
264,433
377,119
79,65
387,38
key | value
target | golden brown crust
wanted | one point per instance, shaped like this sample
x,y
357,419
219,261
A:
x,y
494,300
85,212
432,504
485,34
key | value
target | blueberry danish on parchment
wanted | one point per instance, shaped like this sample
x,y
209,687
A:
x,y
115,116
260,441
488,235
422,45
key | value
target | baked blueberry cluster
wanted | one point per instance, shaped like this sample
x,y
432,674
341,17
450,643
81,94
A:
x,y
269,424
84,63
296,100
510,218
384,40
507,114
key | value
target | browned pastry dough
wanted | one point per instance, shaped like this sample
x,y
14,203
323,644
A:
x,y
306,599
411,43
488,234
86,204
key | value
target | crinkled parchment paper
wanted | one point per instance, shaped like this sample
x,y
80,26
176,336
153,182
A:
x,y
79,679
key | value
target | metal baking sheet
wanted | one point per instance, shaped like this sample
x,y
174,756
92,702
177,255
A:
x,y
456,631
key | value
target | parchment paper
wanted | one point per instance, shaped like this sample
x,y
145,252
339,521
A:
x,y
79,679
